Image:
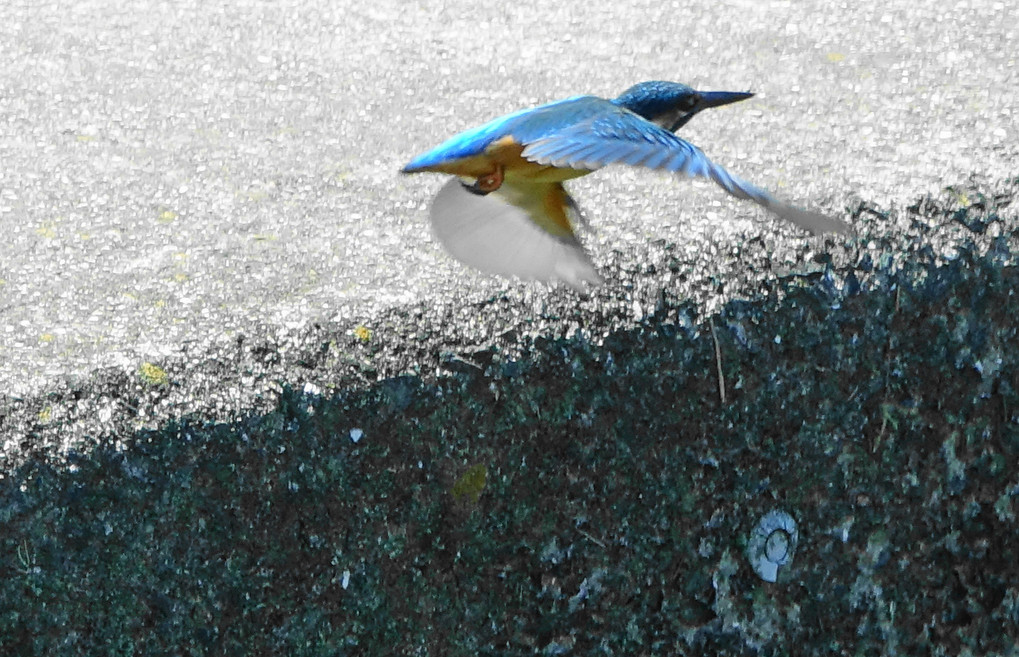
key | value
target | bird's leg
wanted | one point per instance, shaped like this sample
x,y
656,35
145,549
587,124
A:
x,y
490,182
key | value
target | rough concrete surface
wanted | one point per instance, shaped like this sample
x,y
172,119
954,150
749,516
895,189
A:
x,y
247,405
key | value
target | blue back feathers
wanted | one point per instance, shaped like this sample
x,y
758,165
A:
x,y
525,126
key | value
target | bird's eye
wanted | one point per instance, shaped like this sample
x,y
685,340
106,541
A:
x,y
691,101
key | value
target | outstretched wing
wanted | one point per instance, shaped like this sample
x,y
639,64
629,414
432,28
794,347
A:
x,y
616,135
521,229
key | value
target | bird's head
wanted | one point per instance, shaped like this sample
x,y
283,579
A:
x,y
671,104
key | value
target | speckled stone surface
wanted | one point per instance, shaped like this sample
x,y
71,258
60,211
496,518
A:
x,y
247,405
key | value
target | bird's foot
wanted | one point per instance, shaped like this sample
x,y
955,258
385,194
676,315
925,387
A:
x,y
488,183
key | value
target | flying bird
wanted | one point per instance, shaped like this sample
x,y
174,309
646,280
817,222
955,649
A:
x,y
506,211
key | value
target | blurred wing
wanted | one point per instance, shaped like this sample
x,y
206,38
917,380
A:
x,y
522,230
620,136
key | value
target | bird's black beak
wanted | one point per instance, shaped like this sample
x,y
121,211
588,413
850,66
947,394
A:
x,y
707,99
719,98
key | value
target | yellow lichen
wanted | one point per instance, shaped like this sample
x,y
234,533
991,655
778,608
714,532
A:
x,y
153,375
362,333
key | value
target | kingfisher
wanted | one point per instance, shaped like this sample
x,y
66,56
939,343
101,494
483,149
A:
x,y
506,211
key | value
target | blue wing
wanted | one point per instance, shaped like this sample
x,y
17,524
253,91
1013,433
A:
x,y
616,135
586,133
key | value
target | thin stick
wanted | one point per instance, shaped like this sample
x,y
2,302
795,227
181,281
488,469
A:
x,y
718,361
592,538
